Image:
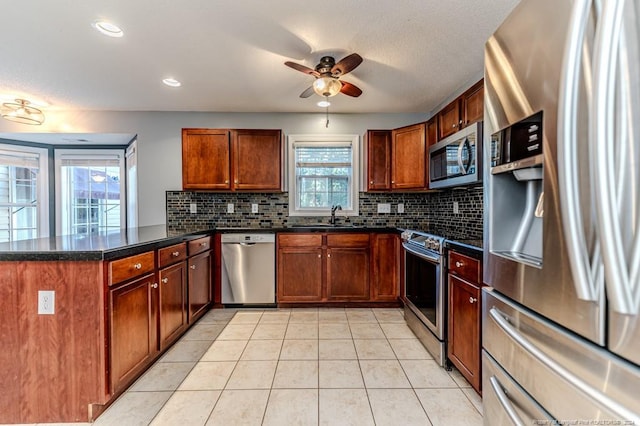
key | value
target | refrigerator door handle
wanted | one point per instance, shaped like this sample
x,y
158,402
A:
x,y
504,401
602,139
556,368
586,279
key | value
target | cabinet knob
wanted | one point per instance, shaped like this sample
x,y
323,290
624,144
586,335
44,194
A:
x,y
154,285
319,256
138,266
192,266
175,254
235,181
328,254
472,299
226,181
459,264
203,244
165,280
371,183
453,126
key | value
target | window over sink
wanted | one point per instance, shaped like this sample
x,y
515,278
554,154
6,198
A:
x,y
323,172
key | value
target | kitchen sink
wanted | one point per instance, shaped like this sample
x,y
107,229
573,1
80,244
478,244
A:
x,y
324,225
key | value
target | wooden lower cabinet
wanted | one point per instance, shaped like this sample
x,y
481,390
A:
x,y
463,345
133,335
337,267
199,280
385,276
300,274
172,303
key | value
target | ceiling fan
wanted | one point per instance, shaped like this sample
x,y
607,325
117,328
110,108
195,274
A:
x,y
328,73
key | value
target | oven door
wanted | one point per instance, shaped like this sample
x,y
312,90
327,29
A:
x,y
424,290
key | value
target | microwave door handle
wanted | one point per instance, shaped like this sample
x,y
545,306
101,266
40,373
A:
x,y
463,170
602,137
467,143
585,279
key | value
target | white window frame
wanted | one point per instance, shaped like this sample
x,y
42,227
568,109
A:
x,y
88,154
323,140
42,184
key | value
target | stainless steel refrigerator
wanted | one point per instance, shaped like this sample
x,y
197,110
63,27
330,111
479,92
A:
x,y
561,318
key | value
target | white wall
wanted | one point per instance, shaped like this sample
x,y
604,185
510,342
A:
x,y
159,139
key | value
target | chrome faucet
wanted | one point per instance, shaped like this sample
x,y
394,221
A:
x,y
332,220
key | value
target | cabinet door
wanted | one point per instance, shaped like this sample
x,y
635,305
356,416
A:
x,y
172,303
257,160
348,273
206,159
378,160
132,329
473,104
432,132
199,284
386,267
408,158
449,119
464,328
299,274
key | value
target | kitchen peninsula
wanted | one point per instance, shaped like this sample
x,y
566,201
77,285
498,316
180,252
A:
x,y
62,355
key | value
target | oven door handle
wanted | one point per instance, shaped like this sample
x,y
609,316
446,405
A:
x,y
432,259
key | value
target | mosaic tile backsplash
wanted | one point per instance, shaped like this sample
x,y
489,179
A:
x,y
431,212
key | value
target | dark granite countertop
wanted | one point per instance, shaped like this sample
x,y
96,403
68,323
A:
x,y
102,246
470,247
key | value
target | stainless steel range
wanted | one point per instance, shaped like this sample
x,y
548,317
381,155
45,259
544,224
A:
x,y
425,290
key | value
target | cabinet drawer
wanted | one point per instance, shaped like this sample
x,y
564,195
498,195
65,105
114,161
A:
x,y
348,240
199,245
172,254
464,266
300,240
129,267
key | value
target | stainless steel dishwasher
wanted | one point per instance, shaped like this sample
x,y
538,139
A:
x,y
248,269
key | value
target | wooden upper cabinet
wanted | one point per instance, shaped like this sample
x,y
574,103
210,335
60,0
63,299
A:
x,y
463,111
378,160
408,157
449,119
257,160
222,159
206,156
432,131
473,104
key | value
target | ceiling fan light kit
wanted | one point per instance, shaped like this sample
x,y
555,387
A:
x,y
20,112
327,86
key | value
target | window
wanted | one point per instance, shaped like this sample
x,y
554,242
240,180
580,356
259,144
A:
x,y
323,173
91,191
24,204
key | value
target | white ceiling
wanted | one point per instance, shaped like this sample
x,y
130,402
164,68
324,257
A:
x,y
230,54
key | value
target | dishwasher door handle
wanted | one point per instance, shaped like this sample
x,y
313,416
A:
x,y
248,244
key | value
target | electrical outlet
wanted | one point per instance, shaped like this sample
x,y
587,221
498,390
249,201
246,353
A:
x,y
401,208
193,208
230,208
46,302
254,208
455,208
384,208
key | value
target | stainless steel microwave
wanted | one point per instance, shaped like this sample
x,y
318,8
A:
x,y
457,159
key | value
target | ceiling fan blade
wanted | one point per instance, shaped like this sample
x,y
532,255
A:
x,y
346,64
307,92
302,68
350,89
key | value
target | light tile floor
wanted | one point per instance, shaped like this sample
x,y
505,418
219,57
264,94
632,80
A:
x,y
297,367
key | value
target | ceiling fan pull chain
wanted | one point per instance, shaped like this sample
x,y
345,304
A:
x,y
327,112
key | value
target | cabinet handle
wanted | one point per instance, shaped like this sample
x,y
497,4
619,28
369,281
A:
x,y
192,266
165,280
459,264
138,266
176,253
203,244
472,299
154,285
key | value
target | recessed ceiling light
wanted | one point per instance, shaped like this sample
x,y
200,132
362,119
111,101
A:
x,y
323,104
108,29
171,82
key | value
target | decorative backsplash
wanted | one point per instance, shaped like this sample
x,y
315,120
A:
x,y
431,212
